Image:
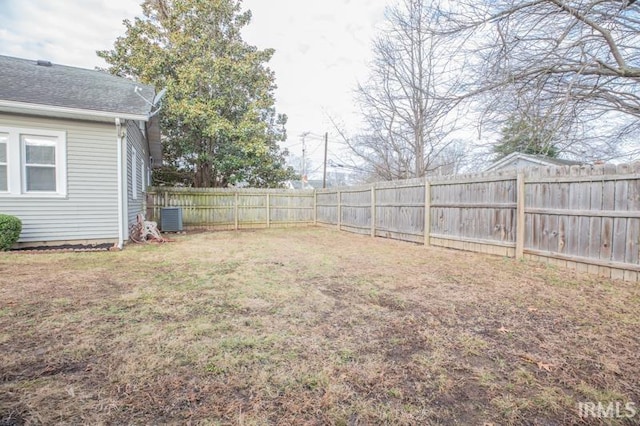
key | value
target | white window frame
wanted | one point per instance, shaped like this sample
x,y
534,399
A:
x,y
6,162
134,173
16,167
38,140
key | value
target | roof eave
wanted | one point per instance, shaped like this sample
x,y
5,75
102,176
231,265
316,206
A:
x,y
501,162
65,112
523,156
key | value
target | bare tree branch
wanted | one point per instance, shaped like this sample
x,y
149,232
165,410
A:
x,y
578,58
409,102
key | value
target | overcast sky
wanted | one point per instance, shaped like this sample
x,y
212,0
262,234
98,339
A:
x,y
322,49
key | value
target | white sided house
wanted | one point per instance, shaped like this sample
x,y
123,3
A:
x,y
76,148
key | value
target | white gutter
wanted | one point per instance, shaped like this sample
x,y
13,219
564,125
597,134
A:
x,y
119,139
75,111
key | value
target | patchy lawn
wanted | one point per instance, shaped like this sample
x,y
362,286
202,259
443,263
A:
x,y
309,326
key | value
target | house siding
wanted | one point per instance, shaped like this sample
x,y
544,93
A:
x,y
136,142
89,211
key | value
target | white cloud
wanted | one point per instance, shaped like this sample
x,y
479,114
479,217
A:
x,y
67,32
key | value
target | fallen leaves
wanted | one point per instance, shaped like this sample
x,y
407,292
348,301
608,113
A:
x,y
542,366
545,366
504,330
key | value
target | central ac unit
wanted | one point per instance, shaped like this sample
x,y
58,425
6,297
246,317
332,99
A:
x,y
171,219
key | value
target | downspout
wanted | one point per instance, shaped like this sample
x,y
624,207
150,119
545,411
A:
x,y
119,140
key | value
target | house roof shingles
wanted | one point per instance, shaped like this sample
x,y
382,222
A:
x,y
23,80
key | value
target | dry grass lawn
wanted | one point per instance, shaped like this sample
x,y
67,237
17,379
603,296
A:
x,y
309,326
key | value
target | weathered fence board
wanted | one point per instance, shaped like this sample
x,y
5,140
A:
x,y
356,210
214,208
480,212
588,217
327,208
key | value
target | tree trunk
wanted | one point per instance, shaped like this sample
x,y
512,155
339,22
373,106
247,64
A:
x,y
202,178
419,152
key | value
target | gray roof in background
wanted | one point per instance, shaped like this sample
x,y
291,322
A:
x,y
23,80
557,161
536,160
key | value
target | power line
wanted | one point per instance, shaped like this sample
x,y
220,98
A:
x,y
324,172
304,150
316,169
333,153
315,150
315,135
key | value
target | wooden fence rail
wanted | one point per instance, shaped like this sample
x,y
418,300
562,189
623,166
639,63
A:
x,y
583,217
214,208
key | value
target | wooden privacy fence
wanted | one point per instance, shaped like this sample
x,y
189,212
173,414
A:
x,y
583,217
216,208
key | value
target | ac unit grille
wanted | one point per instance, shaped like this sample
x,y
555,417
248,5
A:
x,y
171,219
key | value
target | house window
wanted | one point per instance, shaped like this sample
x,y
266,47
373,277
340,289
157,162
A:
x,y
4,181
39,173
32,162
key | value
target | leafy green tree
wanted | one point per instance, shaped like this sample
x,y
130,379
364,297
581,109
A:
x,y
218,120
521,134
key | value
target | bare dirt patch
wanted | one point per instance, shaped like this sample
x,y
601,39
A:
x,y
309,326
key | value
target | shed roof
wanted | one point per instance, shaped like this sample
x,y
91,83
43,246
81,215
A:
x,y
539,160
34,82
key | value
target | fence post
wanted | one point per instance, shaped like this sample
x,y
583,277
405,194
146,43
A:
x,y
427,213
520,216
268,210
373,210
149,205
235,211
339,211
315,207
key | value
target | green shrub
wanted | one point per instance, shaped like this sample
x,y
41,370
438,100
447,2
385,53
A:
x,y
10,228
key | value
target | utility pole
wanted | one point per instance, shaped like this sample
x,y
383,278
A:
x,y
304,150
324,173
